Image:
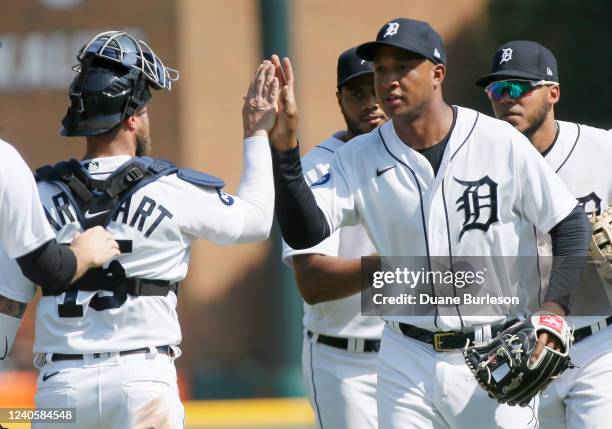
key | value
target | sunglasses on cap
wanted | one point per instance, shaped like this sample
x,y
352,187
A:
x,y
514,88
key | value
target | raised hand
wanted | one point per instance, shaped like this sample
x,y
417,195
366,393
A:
x,y
260,103
284,134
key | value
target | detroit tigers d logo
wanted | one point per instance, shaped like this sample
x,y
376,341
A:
x,y
392,28
479,204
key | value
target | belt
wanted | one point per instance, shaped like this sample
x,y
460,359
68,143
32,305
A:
x,y
359,345
587,331
166,350
446,341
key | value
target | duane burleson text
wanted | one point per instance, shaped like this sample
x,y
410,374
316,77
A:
x,y
404,298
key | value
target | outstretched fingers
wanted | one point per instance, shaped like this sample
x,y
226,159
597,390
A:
x,y
260,80
253,84
288,72
260,105
269,80
278,69
274,92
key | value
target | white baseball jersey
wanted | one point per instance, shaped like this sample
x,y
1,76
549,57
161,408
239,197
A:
x,y
13,285
340,317
581,156
23,227
491,189
161,220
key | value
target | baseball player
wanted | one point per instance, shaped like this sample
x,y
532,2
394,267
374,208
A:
x,y
436,181
25,235
340,346
523,87
106,346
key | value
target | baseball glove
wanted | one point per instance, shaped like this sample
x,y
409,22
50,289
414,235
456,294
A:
x,y
601,244
502,367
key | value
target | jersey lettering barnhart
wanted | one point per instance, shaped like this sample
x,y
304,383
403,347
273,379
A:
x,y
141,215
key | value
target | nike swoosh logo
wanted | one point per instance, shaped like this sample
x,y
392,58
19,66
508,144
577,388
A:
x,y
381,171
48,376
322,181
5,348
90,215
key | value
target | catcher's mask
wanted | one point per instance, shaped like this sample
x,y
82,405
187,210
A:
x,y
115,75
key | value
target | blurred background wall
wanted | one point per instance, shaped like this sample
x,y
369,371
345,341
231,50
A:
x,y
239,310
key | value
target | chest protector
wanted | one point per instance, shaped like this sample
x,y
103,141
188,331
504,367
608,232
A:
x,y
97,201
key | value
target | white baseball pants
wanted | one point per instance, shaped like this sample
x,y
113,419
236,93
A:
x,y
136,391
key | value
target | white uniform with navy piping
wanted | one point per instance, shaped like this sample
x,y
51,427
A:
x,y
582,397
341,383
124,375
407,211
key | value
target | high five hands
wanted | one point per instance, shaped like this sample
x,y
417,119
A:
x,y
260,103
284,134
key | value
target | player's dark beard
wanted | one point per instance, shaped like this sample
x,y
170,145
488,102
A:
x,y
143,145
538,122
351,126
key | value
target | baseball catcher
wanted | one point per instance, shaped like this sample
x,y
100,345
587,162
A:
x,y
503,365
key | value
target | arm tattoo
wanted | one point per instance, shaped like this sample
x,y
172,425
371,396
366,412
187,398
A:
x,y
12,308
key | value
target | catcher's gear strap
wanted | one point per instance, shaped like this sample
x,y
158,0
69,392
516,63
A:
x,y
113,279
8,330
96,202
52,266
199,178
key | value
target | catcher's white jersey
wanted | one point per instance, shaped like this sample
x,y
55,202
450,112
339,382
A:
x,y
340,317
161,220
23,227
581,156
491,188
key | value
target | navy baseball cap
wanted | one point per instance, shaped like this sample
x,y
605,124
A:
x,y
350,66
522,59
409,34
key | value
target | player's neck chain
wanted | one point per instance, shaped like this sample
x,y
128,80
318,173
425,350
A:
x,y
554,140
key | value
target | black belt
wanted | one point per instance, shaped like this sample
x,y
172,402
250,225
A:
x,y
447,341
587,331
166,350
369,346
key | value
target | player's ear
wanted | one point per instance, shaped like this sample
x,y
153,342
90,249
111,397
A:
x,y
438,73
339,96
554,94
130,123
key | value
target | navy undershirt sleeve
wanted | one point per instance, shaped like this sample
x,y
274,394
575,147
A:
x,y
52,266
301,221
570,243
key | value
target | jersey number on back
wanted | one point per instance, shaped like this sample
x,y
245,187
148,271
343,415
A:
x,y
69,308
